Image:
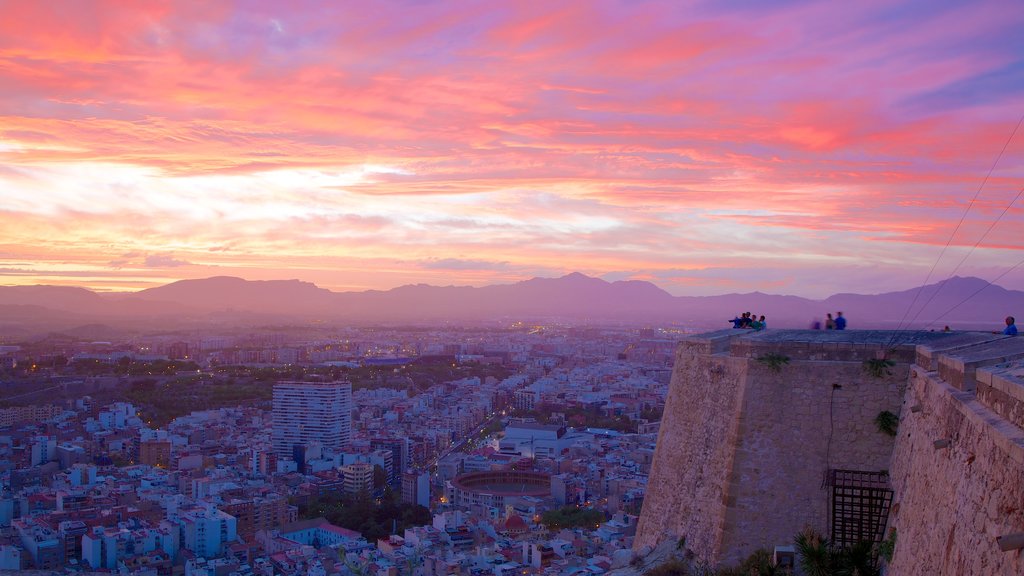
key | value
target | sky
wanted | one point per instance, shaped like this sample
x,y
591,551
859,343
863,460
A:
x,y
793,147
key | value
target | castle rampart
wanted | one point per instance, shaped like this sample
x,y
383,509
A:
x,y
753,423
958,465
755,420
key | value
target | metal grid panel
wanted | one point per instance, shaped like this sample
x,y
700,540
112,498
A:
x,y
860,506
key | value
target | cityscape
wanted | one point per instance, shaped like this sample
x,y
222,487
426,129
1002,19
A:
x,y
371,450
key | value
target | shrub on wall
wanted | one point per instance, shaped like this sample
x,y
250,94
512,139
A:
x,y
773,361
887,422
888,546
879,367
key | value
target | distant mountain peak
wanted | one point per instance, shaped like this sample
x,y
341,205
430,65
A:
x,y
577,276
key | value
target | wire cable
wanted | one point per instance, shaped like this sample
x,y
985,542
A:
x,y
976,292
952,235
964,259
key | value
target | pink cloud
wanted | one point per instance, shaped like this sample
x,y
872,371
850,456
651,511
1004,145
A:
x,y
592,136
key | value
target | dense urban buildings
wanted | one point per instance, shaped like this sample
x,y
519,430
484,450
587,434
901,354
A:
x,y
331,451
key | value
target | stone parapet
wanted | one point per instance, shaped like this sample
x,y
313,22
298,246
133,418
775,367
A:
x,y
709,343
958,367
832,345
927,354
1000,388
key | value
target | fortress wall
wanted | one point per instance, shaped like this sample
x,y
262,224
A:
x,y
1000,391
952,503
788,441
743,449
687,484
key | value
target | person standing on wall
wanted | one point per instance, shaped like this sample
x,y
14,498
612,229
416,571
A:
x,y
830,324
840,321
1011,326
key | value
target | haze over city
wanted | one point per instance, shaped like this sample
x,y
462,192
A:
x,y
795,147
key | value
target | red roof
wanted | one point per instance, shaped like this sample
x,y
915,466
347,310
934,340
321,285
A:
x,y
516,522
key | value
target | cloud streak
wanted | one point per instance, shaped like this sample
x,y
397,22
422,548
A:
x,y
483,143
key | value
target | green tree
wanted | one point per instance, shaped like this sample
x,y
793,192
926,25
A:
x,y
380,477
757,564
572,517
818,557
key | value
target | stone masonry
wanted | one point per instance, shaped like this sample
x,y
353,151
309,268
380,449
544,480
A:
x,y
743,449
958,466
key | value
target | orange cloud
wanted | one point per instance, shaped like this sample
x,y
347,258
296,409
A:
x,y
340,143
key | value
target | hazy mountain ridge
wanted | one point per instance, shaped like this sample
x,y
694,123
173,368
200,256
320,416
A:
x,y
231,293
574,296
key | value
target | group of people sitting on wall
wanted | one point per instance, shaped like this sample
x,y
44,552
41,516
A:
x,y
749,321
837,323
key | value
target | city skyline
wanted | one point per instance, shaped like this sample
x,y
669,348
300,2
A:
x,y
804,148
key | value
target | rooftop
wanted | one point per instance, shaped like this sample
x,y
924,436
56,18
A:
x,y
305,383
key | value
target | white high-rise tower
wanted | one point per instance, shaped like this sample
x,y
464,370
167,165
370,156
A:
x,y
305,412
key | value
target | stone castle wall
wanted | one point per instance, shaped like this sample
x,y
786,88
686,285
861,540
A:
x,y
744,449
954,499
689,499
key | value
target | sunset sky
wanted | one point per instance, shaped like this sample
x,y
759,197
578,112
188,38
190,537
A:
x,y
718,146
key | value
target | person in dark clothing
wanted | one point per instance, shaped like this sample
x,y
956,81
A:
x,y
737,322
840,321
1011,326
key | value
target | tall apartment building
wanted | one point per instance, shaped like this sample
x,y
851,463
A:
x,y
205,531
155,453
358,477
305,412
259,513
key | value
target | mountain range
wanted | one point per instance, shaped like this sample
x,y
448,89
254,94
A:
x,y
960,302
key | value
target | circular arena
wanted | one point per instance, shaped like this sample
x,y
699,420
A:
x,y
490,488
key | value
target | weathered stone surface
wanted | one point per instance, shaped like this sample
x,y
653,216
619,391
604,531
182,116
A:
x,y
958,367
743,449
1001,390
927,353
687,489
954,502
